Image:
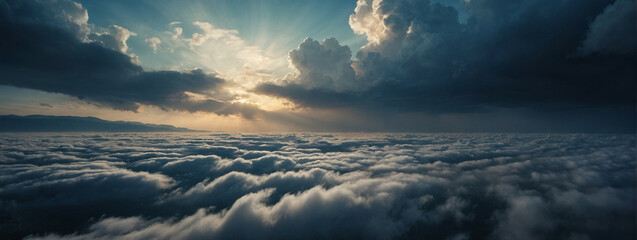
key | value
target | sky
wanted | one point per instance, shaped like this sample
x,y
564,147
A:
x,y
367,65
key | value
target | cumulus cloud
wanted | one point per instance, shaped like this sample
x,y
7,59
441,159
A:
x,y
154,43
368,20
326,65
92,66
67,15
443,186
114,38
420,57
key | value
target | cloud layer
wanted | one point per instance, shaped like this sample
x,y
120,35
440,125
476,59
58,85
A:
x,y
219,186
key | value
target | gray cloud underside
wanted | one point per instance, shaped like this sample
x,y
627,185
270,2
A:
x,y
42,48
537,55
200,186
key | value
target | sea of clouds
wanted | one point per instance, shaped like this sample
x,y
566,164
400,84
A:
x,y
316,186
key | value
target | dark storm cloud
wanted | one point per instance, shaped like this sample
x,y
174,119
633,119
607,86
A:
x,y
442,186
421,58
49,46
611,30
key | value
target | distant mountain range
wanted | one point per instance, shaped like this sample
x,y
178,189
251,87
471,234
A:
x,y
41,123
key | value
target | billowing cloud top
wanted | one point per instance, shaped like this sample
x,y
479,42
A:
x,y
423,57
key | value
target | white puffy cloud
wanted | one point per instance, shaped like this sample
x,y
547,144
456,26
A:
x,y
325,65
114,37
368,19
391,26
154,43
